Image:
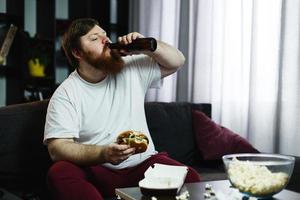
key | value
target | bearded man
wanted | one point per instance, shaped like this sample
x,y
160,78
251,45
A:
x,y
103,97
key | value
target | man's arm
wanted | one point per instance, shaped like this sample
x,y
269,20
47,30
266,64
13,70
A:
x,y
168,57
81,154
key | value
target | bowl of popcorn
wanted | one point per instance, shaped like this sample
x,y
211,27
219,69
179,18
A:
x,y
259,175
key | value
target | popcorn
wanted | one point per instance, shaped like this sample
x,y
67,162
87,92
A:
x,y
185,195
255,179
206,195
153,198
208,186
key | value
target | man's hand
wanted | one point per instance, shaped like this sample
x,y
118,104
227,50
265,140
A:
x,y
117,153
127,39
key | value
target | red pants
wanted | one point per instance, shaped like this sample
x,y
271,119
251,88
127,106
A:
x,y
69,181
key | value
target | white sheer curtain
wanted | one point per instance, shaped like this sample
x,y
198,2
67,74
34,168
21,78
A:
x,y
160,19
242,56
289,109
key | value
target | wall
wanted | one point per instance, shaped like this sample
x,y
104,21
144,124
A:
x,y
2,79
61,12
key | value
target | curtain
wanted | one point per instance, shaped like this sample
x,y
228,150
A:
x,y
289,92
154,19
242,56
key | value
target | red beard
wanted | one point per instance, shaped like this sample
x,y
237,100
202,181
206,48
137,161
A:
x,y
110,64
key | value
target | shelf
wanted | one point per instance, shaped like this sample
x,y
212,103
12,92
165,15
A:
x,y
48,32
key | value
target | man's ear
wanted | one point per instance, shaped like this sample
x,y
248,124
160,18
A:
x,y
76,53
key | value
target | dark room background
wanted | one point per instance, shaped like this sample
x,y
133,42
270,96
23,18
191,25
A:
x,y
36,65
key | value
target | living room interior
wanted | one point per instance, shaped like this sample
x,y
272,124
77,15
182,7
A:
x,y
241,71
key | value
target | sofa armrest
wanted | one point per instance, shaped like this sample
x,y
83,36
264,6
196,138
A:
x,y
22,153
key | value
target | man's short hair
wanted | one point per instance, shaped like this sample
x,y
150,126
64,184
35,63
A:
x,y
71,38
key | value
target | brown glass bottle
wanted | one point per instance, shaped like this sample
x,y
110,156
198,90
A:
x,y
139,44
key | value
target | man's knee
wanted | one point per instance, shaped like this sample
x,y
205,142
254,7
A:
x,y
64,169
68,181
192,176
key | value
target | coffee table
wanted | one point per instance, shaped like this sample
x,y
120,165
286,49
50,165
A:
x,y
196,191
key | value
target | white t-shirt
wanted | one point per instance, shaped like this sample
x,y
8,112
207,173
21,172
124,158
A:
x,y
95,113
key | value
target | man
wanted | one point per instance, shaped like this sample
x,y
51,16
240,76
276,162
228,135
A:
x,y
103,97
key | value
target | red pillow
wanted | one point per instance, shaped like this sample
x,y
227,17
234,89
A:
x,y
214,141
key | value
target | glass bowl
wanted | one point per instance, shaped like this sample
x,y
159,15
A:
x,y
259,175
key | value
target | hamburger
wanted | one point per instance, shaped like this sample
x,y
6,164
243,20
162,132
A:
x,y
135,139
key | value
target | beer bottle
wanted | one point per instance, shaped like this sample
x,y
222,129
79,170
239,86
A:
x,y
139,44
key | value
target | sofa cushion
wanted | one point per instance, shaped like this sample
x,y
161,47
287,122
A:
x,y
170,125
214,141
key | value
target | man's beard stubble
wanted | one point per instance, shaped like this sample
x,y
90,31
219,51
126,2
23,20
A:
x,y
110,64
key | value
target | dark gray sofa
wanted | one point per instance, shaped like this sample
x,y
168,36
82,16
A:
x,y
24,160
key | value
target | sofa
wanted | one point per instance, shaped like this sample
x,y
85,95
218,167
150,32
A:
x,y
177,128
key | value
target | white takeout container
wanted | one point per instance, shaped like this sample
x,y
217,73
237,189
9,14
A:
x,y
161,179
